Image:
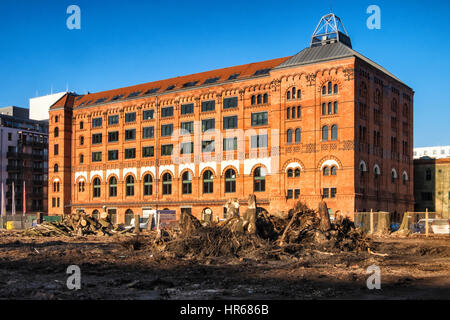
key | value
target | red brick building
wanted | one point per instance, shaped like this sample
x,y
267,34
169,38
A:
x,y
326,121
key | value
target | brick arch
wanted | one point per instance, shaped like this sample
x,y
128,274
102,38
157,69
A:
x,y
230,167
258,165
78,179
57,179
146,172
164,172
185,170
329,157
331,79
293,160
96,176
110,176
208,169
127,175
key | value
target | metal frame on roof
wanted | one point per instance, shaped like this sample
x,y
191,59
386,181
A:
x,y
330,29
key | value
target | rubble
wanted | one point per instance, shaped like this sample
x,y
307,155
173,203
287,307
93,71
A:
x,y
77,224
261,235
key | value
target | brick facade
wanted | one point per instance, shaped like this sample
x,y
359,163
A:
x,y
347,151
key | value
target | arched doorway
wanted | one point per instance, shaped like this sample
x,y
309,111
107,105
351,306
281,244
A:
x,y
207,215
128,217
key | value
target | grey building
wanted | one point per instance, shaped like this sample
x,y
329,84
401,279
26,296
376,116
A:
x,y
23,158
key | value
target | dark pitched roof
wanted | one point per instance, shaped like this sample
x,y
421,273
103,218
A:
x,y
190,81
329,52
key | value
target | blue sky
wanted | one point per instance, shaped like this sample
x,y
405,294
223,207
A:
x,y
124,43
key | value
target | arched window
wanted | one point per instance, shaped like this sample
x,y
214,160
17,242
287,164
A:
x,y
259,180
293,112
363,90
299,94
253,100
113,187
289,136
293,92
288,95
299,112
377,96
393,176
56,118
208,185
324,109
55,168
330,88
96,186
335,111
330,110
128,217
187,182
259,99
334,132
81,125
298,135
325,133
333,170
129,186
290,173
81,158
81,140
297,172
405,178
230,181
288,113
56,132
394,105
167,183
336,89
324,90
326,171
376,172
266,98
148,185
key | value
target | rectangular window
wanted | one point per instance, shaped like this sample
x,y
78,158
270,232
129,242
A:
x,y
208,146
96,122
290,194
208,124
186,148
259,119
167,112
112,120
148,152
297,193
113,136
230,144
326,193
96,156
333,192
187,127
56,151
130,117
187,108
208,105
97,138
148,114
166,130
230,122
148,132
113,155
166,149
427,196
130,153
130,134
259,141
229,103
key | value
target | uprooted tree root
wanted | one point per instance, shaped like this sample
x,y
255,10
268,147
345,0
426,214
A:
x,y
299,231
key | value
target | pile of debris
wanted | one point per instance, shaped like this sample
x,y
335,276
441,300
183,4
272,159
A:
x,y
78,224
258,234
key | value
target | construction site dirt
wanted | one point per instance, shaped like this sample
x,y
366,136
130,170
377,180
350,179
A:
x,y
120,267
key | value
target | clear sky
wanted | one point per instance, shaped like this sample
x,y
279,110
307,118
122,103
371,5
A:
x,y
124,43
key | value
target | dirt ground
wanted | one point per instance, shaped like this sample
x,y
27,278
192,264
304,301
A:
x,y
111,268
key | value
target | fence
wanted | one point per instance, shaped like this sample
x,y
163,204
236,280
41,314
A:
x,y
17,222
384,222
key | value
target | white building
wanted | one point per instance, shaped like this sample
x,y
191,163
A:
x,y
432,152
39,106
